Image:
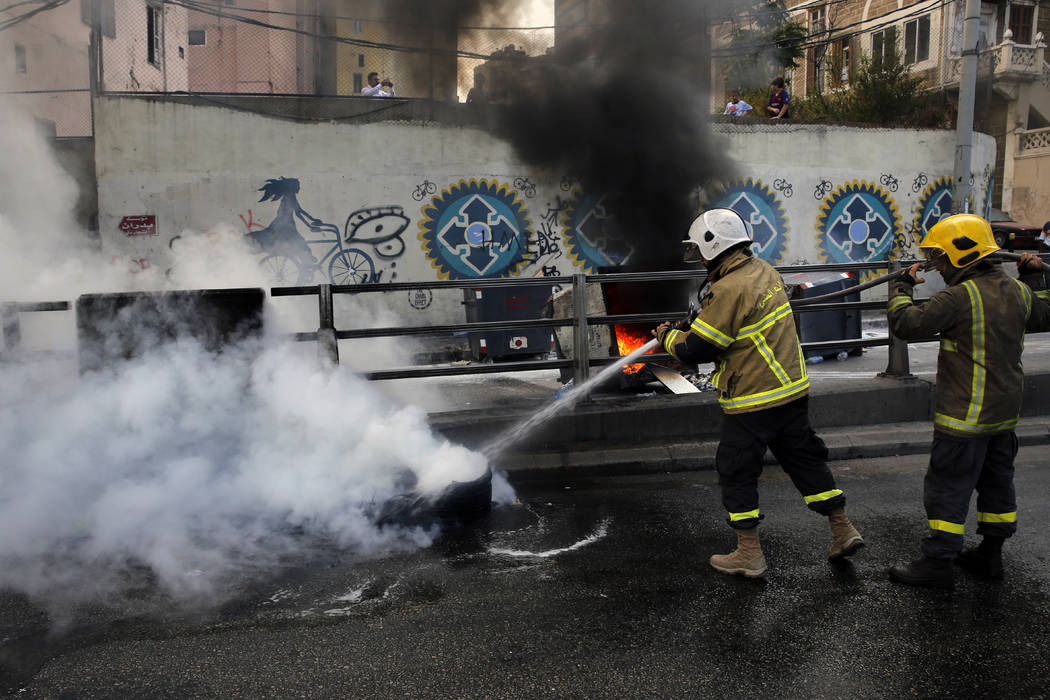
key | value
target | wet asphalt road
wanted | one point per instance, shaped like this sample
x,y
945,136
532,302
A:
x,y
588,588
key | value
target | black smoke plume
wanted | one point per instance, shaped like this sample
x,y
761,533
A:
x,y
621,106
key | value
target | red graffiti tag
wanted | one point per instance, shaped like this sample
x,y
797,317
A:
x,y
250,222
135,265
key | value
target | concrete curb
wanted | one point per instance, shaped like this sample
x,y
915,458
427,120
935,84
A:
x,y
618,429
854,442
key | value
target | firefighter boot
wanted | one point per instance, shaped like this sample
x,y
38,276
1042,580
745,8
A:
x,y
926,571
746,559
845,540
984,560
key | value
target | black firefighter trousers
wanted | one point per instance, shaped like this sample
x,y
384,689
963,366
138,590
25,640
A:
x,y
958,465
786,432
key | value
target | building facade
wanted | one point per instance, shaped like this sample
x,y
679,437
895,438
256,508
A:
x,y
1013,101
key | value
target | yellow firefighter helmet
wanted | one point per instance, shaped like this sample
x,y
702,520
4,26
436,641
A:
x,y
964,238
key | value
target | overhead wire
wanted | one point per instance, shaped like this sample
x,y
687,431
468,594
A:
x,y
18,19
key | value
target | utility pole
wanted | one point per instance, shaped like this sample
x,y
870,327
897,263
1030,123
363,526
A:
x,y
964,123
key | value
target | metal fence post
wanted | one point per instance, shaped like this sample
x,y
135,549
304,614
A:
x,y
898,366
12,328
327,343
580,335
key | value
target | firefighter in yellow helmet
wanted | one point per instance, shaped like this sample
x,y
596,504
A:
x,y
981,317
746,327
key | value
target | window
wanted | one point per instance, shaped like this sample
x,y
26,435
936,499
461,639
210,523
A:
x,y
1021,22
816,56
358,26
884,46
360,60
358,83
198,37
841,62
917,40
153,22
816,21
20,58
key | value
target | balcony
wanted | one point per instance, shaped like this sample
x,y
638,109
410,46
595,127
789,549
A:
x,y
1034,142
1009,62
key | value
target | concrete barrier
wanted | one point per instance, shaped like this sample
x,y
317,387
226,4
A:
x,y
616,423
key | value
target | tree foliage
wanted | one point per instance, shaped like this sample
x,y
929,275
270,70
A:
x,y
764,43
881,92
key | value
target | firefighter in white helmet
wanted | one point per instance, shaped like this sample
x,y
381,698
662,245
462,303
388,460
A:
x,y
981,317
746,327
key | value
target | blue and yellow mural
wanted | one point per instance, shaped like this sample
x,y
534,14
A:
x,y
858,222
935,203
475,229
592,235
481,228
762,209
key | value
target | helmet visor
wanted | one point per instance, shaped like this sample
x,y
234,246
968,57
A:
x,y
934,257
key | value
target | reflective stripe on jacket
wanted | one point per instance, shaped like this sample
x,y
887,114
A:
x,y
981,319
747,316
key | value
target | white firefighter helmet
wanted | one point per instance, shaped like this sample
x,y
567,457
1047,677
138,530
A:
x,y
714,232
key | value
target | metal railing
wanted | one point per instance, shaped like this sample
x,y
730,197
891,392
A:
x,y
327,335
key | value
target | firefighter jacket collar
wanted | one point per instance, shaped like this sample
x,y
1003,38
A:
x,y
729,262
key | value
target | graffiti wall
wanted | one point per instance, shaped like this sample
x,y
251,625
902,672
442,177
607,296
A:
x,y
397,202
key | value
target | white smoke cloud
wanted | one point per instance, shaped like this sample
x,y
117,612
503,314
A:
x,y
203,468
189,471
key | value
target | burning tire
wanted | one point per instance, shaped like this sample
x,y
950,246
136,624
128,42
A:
x,y
460,503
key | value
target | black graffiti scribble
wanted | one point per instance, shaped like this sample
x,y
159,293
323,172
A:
x,y
902,240
987,169
971,179
822,189
527,186
919,182
505,240
547,242
889,182
551,215
550,271
423,189
784,187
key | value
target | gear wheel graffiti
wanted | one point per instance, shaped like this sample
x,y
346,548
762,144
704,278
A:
x,y
858,222
763,211
476,229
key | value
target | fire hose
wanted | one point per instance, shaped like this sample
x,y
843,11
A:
x,y
684,323
888,278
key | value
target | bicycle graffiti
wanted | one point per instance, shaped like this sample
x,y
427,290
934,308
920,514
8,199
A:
x,y
288,256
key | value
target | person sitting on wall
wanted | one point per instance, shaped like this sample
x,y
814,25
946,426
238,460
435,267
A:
x,y
736,107
377,87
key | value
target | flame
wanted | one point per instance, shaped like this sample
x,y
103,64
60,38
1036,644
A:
x,y
628,340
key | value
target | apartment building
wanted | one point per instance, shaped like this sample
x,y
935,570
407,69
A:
x,y
1013,102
